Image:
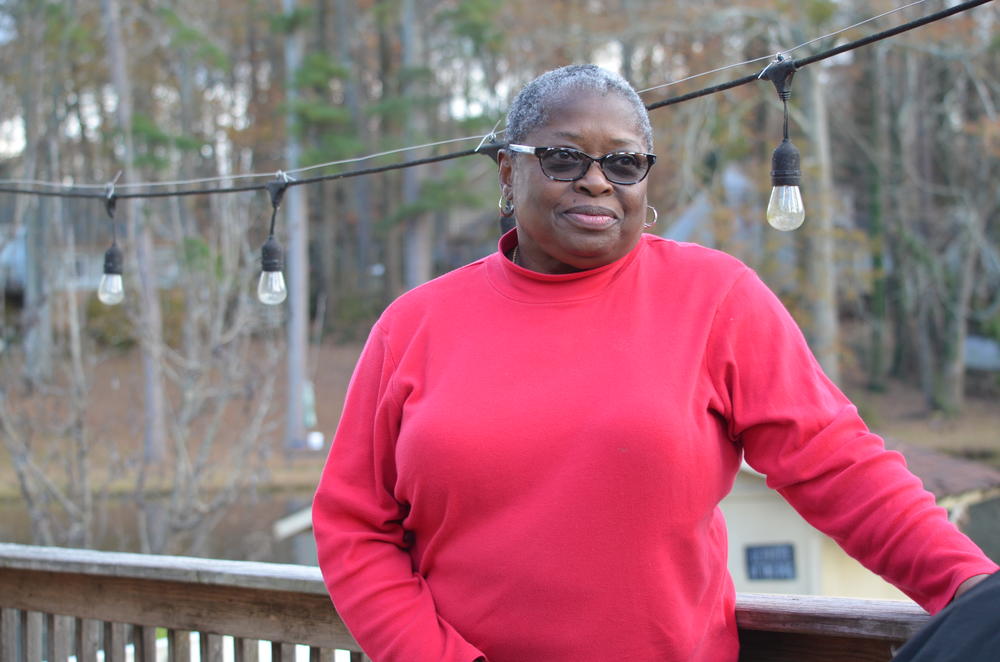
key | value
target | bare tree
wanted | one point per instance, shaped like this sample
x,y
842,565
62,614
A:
x,y
68,435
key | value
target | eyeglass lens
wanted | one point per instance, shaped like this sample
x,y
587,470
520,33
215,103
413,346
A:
x,y
569,164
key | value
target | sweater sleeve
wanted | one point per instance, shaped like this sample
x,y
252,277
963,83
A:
x,y
799,430
360,539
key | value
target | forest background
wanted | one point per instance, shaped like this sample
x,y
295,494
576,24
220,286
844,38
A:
x,y
150,425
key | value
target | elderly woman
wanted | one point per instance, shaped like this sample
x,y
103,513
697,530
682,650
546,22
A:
x,y
519,477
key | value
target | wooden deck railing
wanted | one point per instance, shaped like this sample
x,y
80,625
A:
x,y
56,603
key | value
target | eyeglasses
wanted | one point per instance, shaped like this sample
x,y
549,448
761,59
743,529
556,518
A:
x,y
564,164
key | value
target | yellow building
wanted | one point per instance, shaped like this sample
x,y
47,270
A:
x,y
773,550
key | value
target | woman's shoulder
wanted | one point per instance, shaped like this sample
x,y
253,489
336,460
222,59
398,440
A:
x,y
692,258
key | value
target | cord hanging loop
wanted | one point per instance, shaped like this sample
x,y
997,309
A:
x,y
277,188
490,145
110,198
780,71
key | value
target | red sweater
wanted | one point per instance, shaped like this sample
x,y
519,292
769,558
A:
x,y
518,474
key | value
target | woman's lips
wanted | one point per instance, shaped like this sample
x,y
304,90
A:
x,y
591,217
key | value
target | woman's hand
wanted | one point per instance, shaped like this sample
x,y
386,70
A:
x,y
968,584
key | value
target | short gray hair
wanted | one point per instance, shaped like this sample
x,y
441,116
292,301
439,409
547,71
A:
x,y
529,110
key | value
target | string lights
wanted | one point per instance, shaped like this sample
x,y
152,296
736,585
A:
x,y
785,209
271,288
111,290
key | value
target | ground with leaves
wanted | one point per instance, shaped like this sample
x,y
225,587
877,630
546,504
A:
x,y
287,478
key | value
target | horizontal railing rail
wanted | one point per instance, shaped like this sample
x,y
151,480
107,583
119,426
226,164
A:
x,y
56,603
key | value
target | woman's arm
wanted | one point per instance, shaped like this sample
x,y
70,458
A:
x,y
361,543
799,430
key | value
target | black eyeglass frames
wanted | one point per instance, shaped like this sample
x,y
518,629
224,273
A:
x,y
565,164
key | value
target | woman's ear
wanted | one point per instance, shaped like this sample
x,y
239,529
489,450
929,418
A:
x,y
506,164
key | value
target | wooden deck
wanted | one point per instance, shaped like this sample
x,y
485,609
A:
x,y
58,602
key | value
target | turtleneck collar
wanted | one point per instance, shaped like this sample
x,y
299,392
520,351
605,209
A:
x,y
522,284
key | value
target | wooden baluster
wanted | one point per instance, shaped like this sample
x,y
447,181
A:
x,y
359,657
114,642
33,636
88,639
178,646
211,647
9,633
282,652
60,637
144,643
246,650
317,654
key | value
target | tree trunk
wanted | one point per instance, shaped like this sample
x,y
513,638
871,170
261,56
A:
x,y
37,309
876,364
418,248
297,255
142,261
960,277
917,316
359,204
951,391
822,267
183,225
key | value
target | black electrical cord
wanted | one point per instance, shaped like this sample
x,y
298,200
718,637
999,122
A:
x,y
490,148
892,32
248,187
843,48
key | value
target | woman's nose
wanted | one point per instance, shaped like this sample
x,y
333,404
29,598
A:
x,y
594,182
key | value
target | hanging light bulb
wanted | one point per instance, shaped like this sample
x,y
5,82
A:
x,y
271,286
784,210
111,290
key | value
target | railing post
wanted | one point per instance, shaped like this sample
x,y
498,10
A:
x,y
60,637
321,655
33,637
282,652
211,647
247,650
114,642
8,634
144,642
178,646
88,639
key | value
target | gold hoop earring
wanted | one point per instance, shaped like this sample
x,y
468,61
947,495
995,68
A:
x,y
506,206
655,217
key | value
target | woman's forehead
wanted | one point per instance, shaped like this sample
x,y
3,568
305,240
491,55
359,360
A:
x,y
577,136
591,116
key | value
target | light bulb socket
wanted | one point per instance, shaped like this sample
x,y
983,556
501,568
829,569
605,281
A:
x,y
271,257
785,165
113,260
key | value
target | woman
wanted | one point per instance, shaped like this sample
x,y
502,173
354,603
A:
x,y
518,477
